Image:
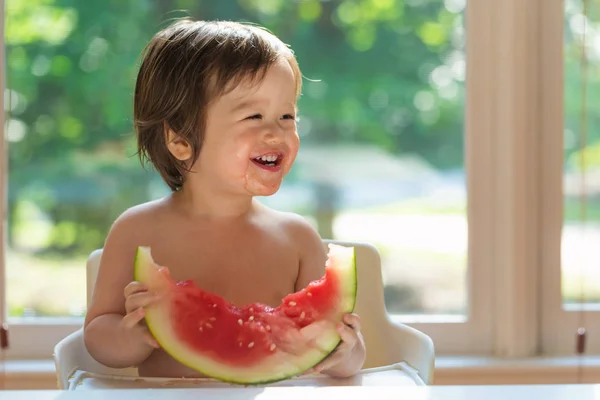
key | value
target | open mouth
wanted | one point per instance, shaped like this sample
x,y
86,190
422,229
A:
x,y
268,161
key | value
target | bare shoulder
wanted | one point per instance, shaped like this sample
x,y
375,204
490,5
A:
x,y
128,231
292,225
134,220
311,252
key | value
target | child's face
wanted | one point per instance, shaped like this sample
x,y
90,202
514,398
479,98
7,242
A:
x,y
251,139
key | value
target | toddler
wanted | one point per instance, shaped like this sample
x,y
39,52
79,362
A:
x,y
215,113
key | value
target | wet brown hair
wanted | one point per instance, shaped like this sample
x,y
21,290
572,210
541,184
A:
x,y
185,67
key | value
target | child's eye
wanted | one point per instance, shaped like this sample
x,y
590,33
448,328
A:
x,y
289,116
255,116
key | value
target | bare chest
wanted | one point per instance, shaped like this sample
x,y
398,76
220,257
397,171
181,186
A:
x,y
242,267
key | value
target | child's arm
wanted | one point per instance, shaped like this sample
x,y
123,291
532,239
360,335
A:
x,y
349,357
113,336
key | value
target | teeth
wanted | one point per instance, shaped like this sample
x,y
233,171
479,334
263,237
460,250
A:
x,y
268,158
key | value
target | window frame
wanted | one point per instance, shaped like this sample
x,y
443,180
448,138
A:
x,y
511,142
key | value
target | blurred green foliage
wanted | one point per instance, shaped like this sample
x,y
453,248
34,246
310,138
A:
x,y
388,73
71,70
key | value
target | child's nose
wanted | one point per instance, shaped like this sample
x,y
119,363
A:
x,y
273,133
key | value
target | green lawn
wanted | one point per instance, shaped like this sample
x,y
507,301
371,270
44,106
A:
x,y
49,287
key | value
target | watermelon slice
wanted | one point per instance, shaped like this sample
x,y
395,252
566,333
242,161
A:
x,y
255,343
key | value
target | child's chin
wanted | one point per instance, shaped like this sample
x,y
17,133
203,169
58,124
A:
x,y
267,192
263,190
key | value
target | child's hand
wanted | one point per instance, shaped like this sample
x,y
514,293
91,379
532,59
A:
x,y
136,298
349,330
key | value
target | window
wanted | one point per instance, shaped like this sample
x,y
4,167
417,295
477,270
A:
x,y
572,285
401,120
457,120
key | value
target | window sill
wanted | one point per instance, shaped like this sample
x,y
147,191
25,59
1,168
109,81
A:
x,y
450,370
474,370
28,374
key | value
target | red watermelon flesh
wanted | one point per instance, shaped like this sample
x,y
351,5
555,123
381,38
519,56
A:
x,y
255,343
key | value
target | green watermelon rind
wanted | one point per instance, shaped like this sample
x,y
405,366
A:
x,y
163,333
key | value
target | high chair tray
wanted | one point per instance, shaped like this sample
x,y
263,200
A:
x,y
400,374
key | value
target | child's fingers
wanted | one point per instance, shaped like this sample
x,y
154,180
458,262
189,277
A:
x,y
137,300
333,358
133,318
352,320
348,336
150,340
329,362
309,371
134,287
348,333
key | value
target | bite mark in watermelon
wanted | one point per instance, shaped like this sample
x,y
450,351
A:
x,y
255,343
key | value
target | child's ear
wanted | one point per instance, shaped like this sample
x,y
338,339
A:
x,y
177,145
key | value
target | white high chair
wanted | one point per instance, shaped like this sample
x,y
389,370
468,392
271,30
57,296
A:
x,y
388,343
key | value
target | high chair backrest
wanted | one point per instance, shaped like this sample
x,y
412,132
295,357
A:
x,y
386,342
